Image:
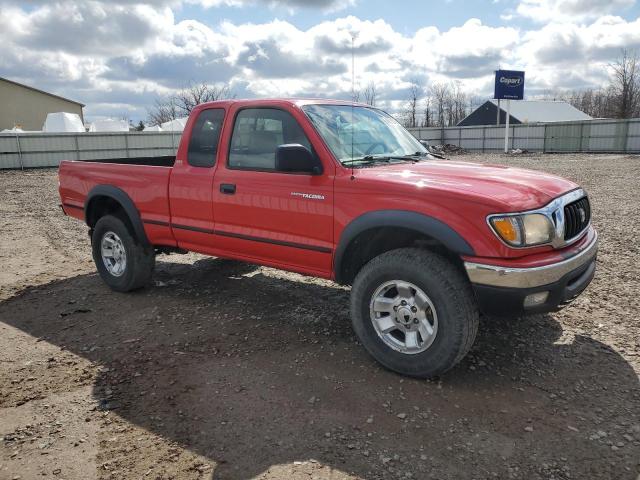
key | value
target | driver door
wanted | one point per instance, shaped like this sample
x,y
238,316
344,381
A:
x,y
272,217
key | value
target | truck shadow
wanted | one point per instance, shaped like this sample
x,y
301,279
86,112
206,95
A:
x,y
253,370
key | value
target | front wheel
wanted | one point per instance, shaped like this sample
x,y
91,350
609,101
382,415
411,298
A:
x,y
414,312
122,262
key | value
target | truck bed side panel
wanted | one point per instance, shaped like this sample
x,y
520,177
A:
x,y
146,185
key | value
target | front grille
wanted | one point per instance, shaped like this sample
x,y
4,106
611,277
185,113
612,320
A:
x,y
576,217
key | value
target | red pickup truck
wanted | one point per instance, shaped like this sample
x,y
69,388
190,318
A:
x,y
342,191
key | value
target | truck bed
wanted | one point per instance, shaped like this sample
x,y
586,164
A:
x,y
146,185
161,161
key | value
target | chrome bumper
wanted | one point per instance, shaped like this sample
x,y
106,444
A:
x,y
497,276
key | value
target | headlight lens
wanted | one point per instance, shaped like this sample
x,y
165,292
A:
x,y
523,230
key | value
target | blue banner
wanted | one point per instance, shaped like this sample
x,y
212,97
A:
x,y
509,85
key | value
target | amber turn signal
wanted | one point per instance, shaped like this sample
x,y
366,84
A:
x,y
508,229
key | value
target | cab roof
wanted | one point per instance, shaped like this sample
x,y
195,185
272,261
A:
x,y
298,102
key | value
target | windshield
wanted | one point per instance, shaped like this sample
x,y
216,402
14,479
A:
x,y
360,133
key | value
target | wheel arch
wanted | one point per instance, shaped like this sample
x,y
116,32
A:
x,y
107,199
376,232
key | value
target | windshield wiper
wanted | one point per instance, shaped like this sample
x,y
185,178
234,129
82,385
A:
x,y
414,155
368,159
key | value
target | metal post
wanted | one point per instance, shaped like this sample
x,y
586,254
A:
x,y
460,137
484,135
77,144
498,114
506,127
580,147
625,149
126,144
544,139
19,151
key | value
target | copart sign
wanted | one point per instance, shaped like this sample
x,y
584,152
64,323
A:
x,y
509,85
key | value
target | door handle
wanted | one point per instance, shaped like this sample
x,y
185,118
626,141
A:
x,y
228,188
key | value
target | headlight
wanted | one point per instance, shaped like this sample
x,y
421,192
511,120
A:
x,y
523,230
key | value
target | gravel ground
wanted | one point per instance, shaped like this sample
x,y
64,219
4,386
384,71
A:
x,y
227,370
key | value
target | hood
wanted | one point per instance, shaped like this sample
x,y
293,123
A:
x,y
513,189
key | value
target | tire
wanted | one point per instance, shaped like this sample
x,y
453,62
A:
x,y
445,324
133,267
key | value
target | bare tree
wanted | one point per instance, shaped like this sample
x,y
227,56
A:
x,y
195,94
458,104
427,119
599,103
440,94
620,99
163,110
370,94
411,114
626,84
184,101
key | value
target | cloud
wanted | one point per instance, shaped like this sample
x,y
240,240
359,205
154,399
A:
x,y
86,27
567,45
119,56
171,70
267,59
369,38
569,10
327,6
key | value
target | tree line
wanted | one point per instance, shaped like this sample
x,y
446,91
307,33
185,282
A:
x,y
619,99
439,105
445,104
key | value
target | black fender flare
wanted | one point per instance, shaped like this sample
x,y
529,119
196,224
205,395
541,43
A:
x,y
127,204
419,222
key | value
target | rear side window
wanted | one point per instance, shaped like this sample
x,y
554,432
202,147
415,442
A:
x,y
203,145
257,133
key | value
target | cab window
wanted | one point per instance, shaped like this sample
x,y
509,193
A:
x,y
257,133
203,145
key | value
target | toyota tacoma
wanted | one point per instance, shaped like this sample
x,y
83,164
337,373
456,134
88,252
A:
x,y
342,191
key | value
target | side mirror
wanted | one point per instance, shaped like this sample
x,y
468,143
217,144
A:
x,y
296,158
424,143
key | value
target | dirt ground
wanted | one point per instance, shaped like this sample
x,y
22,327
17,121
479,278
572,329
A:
x,y
226,370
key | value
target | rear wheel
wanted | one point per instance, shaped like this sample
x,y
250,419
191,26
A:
x,y
414,312
122,262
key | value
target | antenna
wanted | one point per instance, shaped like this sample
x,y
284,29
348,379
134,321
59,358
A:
x,y
353,71
353,99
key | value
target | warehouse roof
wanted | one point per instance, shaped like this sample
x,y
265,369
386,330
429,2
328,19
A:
x,y
524,111
528,111
41,91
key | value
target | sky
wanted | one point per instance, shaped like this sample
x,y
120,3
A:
x,y
119,56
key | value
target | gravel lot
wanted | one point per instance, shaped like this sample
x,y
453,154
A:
x,y
227,370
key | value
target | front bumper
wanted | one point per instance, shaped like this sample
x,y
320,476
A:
x,y
503,290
